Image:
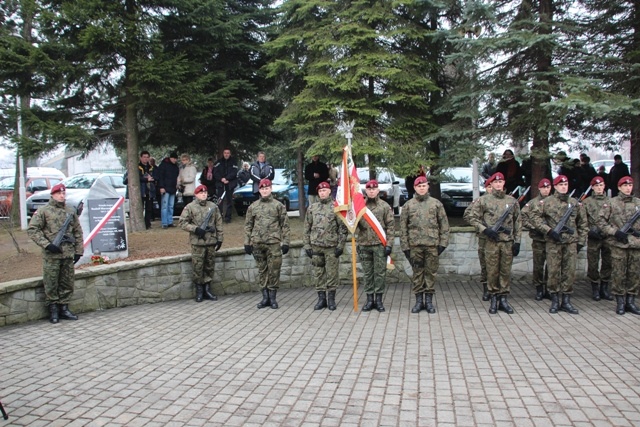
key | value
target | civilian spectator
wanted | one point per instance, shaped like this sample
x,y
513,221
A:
x,y
187,178
618,171
511,170
168,172
225,173
315,172
489,168
206,178
260,170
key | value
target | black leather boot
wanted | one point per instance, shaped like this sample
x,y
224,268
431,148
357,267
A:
x,y
428,304
272,298
199,292
265,299
419,303
369,304
620,304
322,301
379,305
485,293
630,306
539,293
554,304
493,306
66,314
504,305
331,300
208,294
566,305
547,294
595,291
53,313
604,291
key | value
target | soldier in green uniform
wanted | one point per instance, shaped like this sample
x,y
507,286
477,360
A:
x,y
203,221
424,235
324,238
266,236
373,255
562,245
538,242
58,271
503,241
596,243
482,241
624,244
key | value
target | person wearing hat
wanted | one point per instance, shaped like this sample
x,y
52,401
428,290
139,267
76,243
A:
x,y
424,235
562,247
202,219
324,237
373,255
482,241
168,173
58,261
502,244
600,276
266,237
625,247
538,241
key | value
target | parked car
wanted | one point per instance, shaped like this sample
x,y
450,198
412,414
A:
x,y
608,164
388,184
77,190
38,179
285,190
456,189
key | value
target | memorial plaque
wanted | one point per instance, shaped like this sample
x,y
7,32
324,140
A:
x,y
112,237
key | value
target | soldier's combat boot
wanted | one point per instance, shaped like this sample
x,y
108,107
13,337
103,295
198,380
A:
x,y
419,303
428,304
53,313
265,299
199,292
379,305
504,305
554,304
539,293
631,305
208,294
566,305
369,304
322,301
272,298
604,291
331,300
65,313
485,293
595,291
620,303
547,294
493,306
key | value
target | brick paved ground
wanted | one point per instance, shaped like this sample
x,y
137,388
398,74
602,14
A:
x,y
227,363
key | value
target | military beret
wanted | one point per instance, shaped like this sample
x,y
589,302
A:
x,y
265,182
420,180
58,188
323,184
596,180
559,179
372,184
200,188
544,183
496,176
625,180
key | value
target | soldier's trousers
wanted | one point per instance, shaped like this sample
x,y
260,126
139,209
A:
x,y
561,261
203,259
595,249
498,258
626,264
482,242
374,267
540,273
57,277
425,263
325,268
269,261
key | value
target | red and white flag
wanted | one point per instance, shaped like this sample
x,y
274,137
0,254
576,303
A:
x,y
349,203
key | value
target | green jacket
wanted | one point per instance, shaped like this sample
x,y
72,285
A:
x,y
423,222
266,222
592,206
366,236
527,213
486,211
192,217
614,215
552,209
322,227
46,223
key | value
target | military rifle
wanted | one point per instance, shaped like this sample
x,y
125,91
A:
x,y
498,226
584,195
205,222
62,237
561,226
627,227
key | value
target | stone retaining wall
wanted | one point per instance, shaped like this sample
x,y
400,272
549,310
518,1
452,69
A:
x,y
169,278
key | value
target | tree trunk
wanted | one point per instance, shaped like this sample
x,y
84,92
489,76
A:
x,y
635,160
131,129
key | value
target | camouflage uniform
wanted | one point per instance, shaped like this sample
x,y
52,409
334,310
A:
x,y
498,254
423,227
324,232
58,270
538,242
266,228
203,254
482,242
597,247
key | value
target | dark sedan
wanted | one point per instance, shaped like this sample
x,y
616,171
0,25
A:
x,y
456,189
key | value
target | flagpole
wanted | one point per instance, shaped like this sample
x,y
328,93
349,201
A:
x,y
354,273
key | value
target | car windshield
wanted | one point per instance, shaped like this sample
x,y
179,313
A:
x,y
459,175
382,176
7,183
282,177
80,181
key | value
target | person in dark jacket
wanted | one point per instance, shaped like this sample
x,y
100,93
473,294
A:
x,y
511,170
147,186
206,178
315,172
618,171
225,173
167,178
260,170
244,174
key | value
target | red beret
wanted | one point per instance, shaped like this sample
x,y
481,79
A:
x,y
596,180
544,183
625,180
200,188
58,188
264,183
323,184
495,176
420,180
372,184
559,179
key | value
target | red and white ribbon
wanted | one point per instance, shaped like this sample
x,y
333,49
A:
x,y
103,221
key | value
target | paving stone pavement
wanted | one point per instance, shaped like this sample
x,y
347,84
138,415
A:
x,y
226,363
